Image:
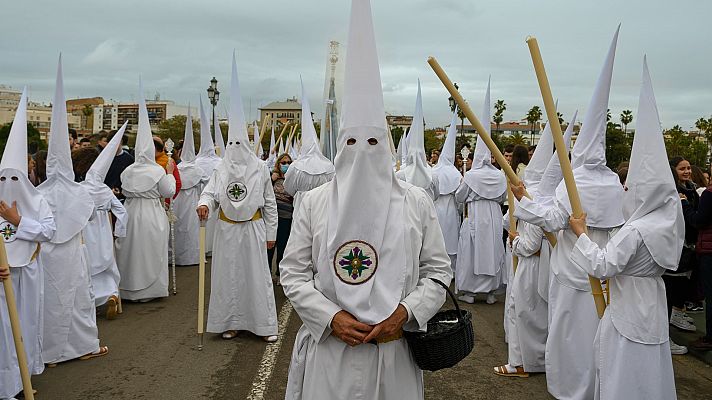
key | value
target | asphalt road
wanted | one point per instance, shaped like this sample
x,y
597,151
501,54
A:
x,y
153,356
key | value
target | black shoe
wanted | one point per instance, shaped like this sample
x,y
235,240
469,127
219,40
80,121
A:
x,y
702,344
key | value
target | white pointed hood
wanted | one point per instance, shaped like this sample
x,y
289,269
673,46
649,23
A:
x,y
540,158
365,246
483,178
449,177
651,203
207,159
545,190
71,203
256,139
272,156
240,170
219,141
599,188
417,171
94,182
281,147
590,146
191,173
144,173
16,187
310,159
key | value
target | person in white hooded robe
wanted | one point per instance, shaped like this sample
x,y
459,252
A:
x,y
449,179
187,225
208,161
70,329
362,250
311,169
481,255
142,256
570,367
26,222
634,328
240,192
527,309
416,169
97,233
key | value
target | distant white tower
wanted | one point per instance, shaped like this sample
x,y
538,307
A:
x,y
332,85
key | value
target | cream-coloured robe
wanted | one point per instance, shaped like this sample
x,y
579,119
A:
x,y
322,366
142,256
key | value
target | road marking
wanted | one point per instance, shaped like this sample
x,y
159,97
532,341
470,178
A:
x,y
264,374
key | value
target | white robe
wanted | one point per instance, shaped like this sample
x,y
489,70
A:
x,y
632,348
433,190
28,283
187,226
527,341
241,296
297,182
570,366
480,251
99,242
323,367
70,329
142,256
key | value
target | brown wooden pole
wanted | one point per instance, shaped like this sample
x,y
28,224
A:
x,y
512,224
562,153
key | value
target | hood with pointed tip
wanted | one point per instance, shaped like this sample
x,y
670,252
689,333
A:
x,y
449,177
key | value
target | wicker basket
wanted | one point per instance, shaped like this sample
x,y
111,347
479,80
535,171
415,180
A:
x,y
448,340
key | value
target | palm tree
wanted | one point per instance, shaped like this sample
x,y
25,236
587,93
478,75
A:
x,y
608,114
560,116
626,118
517,139
87,112
533,116
500,106
705,127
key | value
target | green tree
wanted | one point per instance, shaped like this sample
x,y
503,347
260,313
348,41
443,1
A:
x,y
432,142
617,146
88,112
499,108
174,128
680,143
515,139
33,137
608,115
397,134
626,118
533,116
705,128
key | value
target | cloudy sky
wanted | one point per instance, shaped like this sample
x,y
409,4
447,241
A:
x,y
178,45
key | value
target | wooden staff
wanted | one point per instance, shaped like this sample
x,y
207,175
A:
x,y
276,142
201,285
289,139
562,153
262,133
511,175
16,328
512,224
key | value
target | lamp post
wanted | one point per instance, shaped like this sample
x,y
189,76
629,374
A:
x,y
214,96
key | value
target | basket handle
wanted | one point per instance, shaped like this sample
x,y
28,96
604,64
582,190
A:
x,y
452,296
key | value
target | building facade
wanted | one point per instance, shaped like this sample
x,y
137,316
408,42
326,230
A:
x,y
281,112
108,117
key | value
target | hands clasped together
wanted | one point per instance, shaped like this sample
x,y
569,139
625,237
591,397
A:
x,y
352,332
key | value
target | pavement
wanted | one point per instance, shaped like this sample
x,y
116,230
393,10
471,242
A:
x,y
153,356
684,338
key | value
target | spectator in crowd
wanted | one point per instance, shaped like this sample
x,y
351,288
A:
x,y
285,207
677,283
622,171
121,161
519,160
434,157
84,143
162,160
102,141
699,179
458,162
701,219
82,160
508,151
40,166
73,139
31,170
531,150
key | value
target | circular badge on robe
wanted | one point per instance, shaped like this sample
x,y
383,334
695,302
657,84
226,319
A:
x,y
236,191
8,231
355,262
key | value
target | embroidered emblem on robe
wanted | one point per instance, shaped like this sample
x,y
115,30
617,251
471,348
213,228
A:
x,y
8,231
355,262
236,191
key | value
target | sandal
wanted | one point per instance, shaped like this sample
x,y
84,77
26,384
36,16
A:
x,y
112,307
270,339
508,370
228,335
103,350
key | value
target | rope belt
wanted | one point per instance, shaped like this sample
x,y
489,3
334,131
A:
x,y
391,338
256,217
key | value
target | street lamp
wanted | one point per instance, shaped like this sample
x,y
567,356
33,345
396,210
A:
x,y
214,96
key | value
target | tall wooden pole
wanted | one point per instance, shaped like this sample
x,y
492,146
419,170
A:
x,y
512,224
16,328
262,133
467,111
201,285
562,153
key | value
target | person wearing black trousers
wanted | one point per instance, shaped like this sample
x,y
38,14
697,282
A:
x,y
285,208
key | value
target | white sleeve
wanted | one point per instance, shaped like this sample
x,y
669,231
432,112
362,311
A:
x,y
462,192
297,277
270,208
551,219
40,230
290,184
529,240
167,186
121,215
209,196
